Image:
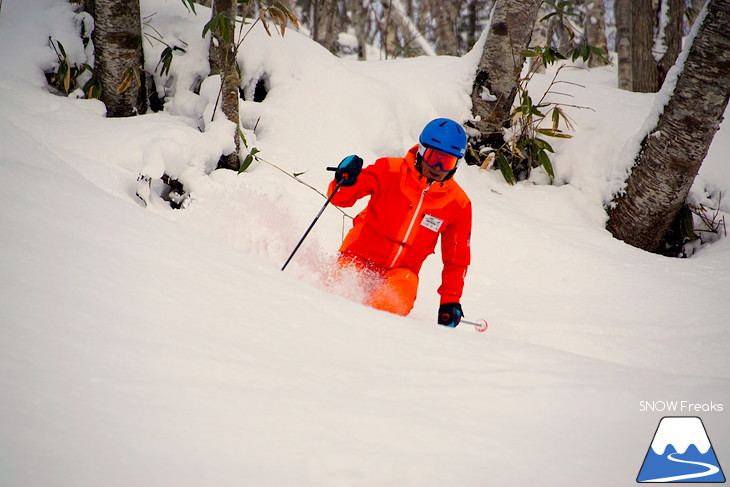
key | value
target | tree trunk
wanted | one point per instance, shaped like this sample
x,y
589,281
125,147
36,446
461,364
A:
x,y
622,13
360,26
671,38
541,34
595,30
445,14
644,77
325,24
119,63
214,50
672,153
413,39
230,79
498,73
389,32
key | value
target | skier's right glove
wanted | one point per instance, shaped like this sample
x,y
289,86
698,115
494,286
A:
x,y
450,314
349,169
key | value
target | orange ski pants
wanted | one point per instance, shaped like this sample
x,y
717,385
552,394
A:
x,y
392,290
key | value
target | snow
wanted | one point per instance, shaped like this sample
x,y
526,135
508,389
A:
x,y
151,346
680,432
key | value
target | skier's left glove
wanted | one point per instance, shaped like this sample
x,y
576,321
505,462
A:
x,y
349,169
450,314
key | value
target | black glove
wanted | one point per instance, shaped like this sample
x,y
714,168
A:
x,y
450,314
349,169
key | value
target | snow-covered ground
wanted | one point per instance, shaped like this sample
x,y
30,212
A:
x,y
155,347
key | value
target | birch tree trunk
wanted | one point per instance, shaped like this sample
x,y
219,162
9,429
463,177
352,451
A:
x,y
230,79
119,62
325,24
359,25
672,153
498,73
594,27
445,13
670,38
622,13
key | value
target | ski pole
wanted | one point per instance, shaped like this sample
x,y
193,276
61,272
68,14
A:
x,y
313,222
480,325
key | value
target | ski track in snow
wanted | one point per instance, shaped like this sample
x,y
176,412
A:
x,y
711,470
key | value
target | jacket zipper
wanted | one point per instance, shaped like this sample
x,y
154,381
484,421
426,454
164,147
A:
x,y
410,227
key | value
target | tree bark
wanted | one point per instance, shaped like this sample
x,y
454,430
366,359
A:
x,y
230,79
445,13
671,40
644,77
498,72
214,50
118,56
359,25
672,153
325,24
622,13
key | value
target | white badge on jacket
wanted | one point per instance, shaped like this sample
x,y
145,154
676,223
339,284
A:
x,y
431,222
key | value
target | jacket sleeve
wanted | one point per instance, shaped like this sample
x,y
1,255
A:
x,y
367,183
456,254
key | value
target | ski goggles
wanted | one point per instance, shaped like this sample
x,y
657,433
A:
x,y
434,158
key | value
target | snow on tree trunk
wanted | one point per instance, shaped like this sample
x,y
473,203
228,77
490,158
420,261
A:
x,y
230,79
119,63
410,29
668,43
498,72
672,153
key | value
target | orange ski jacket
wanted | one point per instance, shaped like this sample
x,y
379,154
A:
x,y
404,218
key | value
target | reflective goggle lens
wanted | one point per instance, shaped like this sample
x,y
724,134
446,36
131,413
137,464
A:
x,y
435,158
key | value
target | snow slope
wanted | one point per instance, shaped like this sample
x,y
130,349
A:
x,y
149,346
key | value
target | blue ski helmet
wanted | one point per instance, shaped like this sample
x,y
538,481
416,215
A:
x,y
444,135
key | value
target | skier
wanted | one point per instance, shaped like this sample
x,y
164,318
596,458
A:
x,y
413,200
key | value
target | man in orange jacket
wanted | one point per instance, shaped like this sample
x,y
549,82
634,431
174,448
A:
x,y
413,201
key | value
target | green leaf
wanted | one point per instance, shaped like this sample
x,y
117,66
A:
x,y
92,88
166,61
190,5
542,144
242,136
220,24
544,161
554,133
505,168
556,119
63,51
248,160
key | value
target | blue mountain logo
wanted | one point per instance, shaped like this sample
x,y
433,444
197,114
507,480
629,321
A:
x,y
681,452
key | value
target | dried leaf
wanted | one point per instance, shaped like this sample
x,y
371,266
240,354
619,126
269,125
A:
x,y
128,77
